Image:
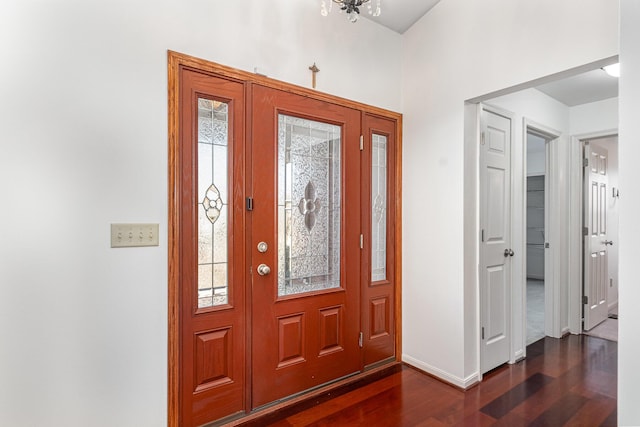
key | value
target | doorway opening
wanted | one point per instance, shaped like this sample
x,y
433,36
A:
x,y
560,234
600,249
536,185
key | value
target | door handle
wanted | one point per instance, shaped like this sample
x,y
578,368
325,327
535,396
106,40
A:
x,y
263,269
608,242
508,252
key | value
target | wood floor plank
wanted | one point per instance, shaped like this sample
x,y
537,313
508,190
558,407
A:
x,y
560,412
500,406
593,413
570,381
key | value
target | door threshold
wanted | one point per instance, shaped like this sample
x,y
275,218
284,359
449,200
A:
x,y
309,398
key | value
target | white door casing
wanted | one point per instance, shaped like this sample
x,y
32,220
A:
x,y
495,240
596,240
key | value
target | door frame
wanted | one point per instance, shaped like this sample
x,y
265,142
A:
x,y
518,228
175,62
553,254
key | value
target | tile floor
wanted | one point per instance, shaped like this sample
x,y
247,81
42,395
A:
x,y
535,310
607,330
535,316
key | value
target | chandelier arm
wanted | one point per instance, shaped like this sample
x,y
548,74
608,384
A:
x,y
351,7
352,2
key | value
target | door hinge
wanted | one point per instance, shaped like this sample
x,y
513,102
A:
x,y
361,340
249,203
361,241
483,332
585,299
482,235
361,142
585,162
546,245
481,138
585,231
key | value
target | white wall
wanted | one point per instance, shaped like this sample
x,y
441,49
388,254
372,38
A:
x,y
83,113
536,155
629,153
460,50
600,116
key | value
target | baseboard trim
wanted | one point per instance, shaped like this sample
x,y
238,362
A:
x,y
455,381
518,356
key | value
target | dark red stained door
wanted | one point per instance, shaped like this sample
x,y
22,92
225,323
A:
x,y
306,191
211,238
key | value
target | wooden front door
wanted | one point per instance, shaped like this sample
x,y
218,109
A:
x,y
305,243
282,240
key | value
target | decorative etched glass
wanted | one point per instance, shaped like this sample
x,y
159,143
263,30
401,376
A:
x,y
378,207
308,205
213,134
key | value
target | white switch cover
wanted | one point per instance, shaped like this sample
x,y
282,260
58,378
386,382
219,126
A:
x,y
130,235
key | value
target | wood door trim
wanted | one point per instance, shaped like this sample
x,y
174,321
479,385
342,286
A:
x,y
173,342
176,61
245,76
398,239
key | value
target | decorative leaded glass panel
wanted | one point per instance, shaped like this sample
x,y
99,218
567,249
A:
x,y
378,207
308,205
212,199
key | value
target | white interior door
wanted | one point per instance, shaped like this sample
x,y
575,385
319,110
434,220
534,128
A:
x,y
596,240
495,239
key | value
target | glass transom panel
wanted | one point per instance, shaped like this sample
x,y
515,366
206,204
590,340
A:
x,y
308,205
212,202
378,207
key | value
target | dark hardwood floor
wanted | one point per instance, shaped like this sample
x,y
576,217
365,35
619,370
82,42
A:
x,y
563,382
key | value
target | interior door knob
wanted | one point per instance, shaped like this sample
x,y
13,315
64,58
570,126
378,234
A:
x,y
508,252
264,269
511,253
608,242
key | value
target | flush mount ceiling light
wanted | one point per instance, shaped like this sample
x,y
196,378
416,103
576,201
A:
x,y
613,70
351,7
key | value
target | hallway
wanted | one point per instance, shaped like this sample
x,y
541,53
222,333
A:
x,y
570,381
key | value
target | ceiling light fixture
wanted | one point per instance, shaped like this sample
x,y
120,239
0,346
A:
x,y
613,70
351,7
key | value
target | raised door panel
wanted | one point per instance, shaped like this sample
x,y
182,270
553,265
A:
x,y
496,229
291,340
496,326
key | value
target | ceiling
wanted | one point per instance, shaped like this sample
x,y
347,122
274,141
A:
x,y
592,86
399,15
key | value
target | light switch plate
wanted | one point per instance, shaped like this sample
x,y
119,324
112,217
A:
x,y
132,235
